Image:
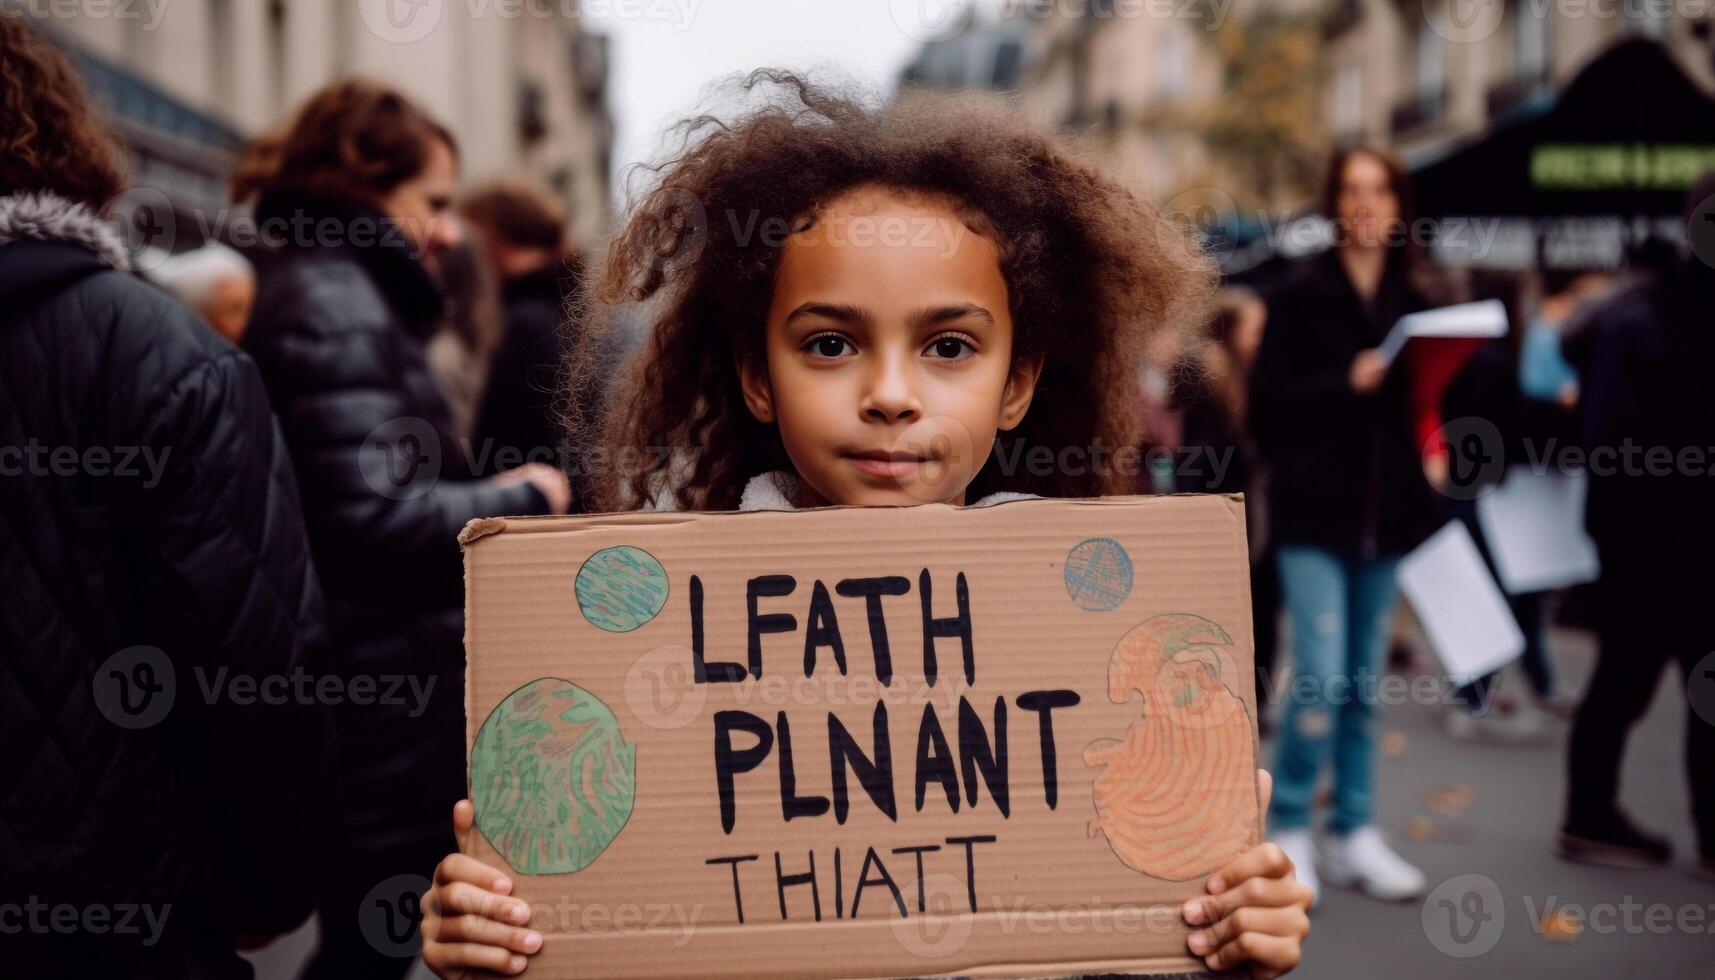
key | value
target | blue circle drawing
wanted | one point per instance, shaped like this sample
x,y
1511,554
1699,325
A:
x,y
619,589
1098,574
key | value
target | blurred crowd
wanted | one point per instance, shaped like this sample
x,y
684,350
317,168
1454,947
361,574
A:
x,y
276,539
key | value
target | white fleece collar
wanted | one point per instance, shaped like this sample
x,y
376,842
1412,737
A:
x,y
51,218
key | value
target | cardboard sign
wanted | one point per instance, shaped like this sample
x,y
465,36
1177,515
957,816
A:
x,y
863,742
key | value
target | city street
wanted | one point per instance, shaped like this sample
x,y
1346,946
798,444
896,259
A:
x,y
1507,834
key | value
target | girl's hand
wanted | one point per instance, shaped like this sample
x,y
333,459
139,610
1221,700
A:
x,y
470,927
1255,912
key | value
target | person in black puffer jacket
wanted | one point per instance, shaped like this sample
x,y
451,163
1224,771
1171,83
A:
x,y
354,200
152,552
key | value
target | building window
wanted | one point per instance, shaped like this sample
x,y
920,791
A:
x,y
276,53
1169,64
1530,42
1431,64
1349,99
1649,19
220,46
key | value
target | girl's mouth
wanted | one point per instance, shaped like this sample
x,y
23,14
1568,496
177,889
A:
x,y
886,464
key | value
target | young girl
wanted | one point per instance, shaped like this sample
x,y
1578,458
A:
x,y
869,307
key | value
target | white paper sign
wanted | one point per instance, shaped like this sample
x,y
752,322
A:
x,y
1534,525
1459,604
1485,319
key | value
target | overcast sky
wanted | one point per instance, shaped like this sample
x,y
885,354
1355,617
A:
x,y
662,60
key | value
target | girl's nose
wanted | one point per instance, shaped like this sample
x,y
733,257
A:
x,y
890,395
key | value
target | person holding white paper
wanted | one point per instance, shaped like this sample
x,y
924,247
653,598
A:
x,y
1348,498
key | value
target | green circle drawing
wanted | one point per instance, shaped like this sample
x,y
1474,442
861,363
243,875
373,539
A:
x,y
552,778
620,589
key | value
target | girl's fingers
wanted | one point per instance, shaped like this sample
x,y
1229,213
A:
x,y
1265,793
1268,956
462,898
464,817
1262,861
463,867
486,932
1254,893
454,959
1287,923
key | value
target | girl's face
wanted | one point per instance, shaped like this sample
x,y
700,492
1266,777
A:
x,y
1368,207
889,352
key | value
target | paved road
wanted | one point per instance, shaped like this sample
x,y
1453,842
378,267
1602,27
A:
x,y
1638,919
1496,856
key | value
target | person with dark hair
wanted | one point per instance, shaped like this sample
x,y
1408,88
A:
x,y
355,199
151,543
523,229
1347,499
1644,358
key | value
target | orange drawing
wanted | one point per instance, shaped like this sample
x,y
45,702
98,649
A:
x,y
1177,797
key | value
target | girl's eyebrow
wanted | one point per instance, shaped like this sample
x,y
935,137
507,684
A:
x,y
846,313
941,314
840,312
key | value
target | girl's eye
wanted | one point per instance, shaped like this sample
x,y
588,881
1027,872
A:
x,y
951,348
828,345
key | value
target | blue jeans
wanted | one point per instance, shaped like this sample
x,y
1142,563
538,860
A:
x,y
1340,610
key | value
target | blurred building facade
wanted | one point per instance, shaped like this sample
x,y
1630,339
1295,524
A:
x,y
1241,102
187,81
1423,75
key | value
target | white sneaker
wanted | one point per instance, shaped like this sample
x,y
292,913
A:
x,y
1523,726
1300,849
1362,860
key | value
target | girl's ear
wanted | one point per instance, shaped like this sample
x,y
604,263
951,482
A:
x,y
758,396
1020,388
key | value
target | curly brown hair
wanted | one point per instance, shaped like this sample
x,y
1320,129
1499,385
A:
x,y
1092,272
355,140
50,138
